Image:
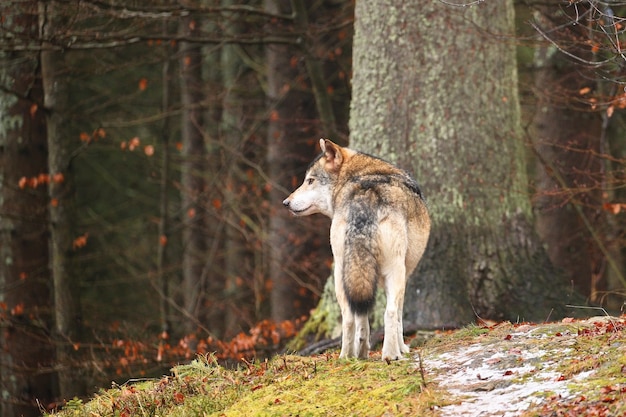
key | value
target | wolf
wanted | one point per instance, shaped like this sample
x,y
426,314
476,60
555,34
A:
x,y
379,231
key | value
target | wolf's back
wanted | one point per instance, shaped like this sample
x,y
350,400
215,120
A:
x,y
369,191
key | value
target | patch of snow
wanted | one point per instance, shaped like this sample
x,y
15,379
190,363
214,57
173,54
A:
x,y
487,381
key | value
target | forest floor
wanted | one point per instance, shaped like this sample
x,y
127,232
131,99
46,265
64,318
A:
x,y
569,368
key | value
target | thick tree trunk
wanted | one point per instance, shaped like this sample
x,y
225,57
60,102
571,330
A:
x,y
26,352
192,178
435,90
61,192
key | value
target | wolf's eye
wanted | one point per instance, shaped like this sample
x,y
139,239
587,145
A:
x,y
310,181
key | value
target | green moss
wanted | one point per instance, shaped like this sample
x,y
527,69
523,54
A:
x,y
324,385
330,387
287,385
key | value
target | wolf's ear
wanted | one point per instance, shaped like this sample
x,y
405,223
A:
x,y
332,154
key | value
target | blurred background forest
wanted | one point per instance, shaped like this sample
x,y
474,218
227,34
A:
x,y
146,146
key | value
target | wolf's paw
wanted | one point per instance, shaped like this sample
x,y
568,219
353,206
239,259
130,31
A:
x,y
389,358
404,348
391,355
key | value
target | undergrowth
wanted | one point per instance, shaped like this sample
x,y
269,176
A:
x,y
588,356
287,385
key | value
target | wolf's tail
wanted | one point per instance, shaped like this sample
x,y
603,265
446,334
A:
x,y
360,264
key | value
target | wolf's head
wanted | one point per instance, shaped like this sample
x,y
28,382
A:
x,y
316,192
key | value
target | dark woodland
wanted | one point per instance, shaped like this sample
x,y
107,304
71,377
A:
x,y
146,147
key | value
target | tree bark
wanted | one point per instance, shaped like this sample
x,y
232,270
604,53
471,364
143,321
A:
x,y
61,192
26,352
435,91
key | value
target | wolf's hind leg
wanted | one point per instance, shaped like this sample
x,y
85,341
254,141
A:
x,y
347,317
393,344
348,344
403,347
362,339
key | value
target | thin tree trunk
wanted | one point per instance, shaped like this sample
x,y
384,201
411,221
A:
x,y
26,352
215,259
291,145
192,181
164,220
569,136
237,257
315,73
435,91
61,192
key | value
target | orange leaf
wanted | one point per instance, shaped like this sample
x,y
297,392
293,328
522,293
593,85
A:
x,y
22,182
609,111
133,143
274,116
179,397
58,178
148,150
101,133
54,202
191,213
584,91
163,240
85,137
18,310
33,110
80,241
143,84
217,203
23,276
613,207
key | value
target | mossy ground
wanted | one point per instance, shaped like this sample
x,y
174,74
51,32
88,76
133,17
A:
x,y
578,368
285,386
